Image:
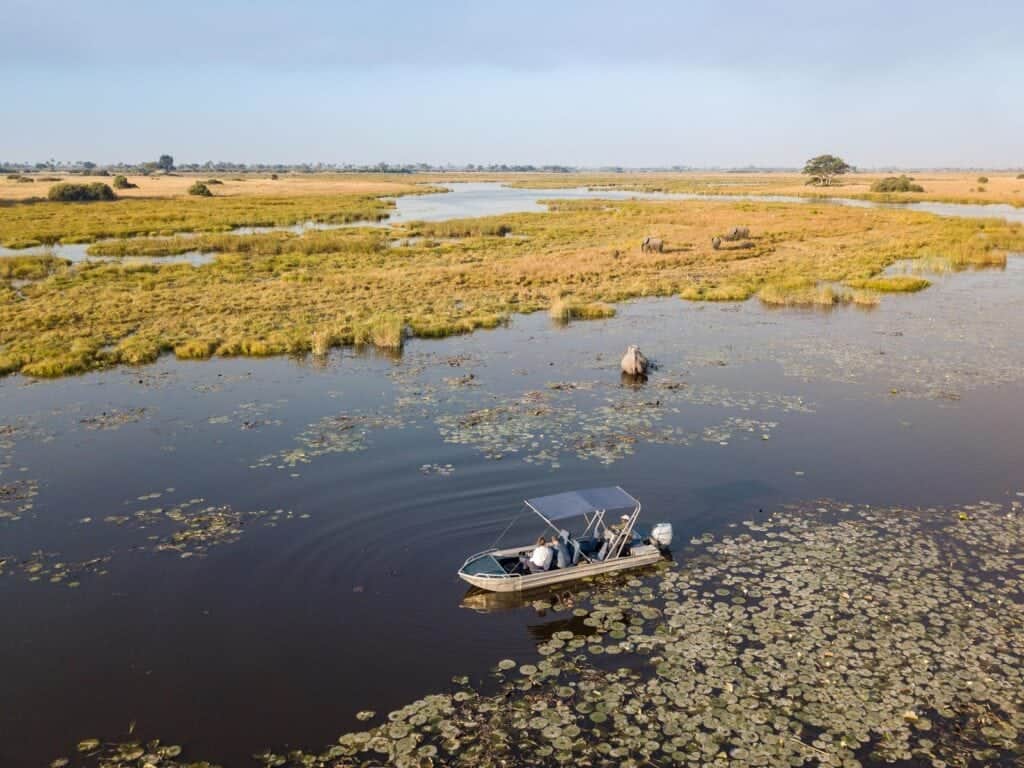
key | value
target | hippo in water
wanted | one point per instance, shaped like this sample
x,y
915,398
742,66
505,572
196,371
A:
x,y
633,362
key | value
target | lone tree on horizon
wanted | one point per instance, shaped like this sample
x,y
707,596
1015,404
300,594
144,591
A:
x,y
166,163
824,168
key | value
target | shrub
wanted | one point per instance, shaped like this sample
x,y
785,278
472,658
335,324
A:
x,y
896,184
983,179
213,181
121,182
81,192
1020,175
273,176
200,189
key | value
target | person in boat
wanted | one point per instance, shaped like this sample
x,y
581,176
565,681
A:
x,y
562,557
611,533
573,546
541,557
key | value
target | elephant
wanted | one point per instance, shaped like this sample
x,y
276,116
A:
x,y
651,244
633,362
737,233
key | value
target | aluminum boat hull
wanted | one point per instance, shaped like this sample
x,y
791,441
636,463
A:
x,y
639,556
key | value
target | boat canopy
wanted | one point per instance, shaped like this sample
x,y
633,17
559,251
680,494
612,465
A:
x,y
560,506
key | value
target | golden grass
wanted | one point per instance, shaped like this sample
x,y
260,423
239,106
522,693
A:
x,y
801,292
30,224
281,293
564,310
892,284
865,298
30,267
717,292
386,331
940,186
249,185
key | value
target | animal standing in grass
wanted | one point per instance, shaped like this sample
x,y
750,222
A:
x,y
633,362
652,244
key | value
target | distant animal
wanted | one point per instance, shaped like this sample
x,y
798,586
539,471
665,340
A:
x,y
737,233
633,362
651,244
716,242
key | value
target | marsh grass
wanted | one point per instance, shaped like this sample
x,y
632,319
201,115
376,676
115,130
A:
x,y
717,292
564,310
865,298
386,331
49,222
32,267
802,292
459,228
891,284
270,293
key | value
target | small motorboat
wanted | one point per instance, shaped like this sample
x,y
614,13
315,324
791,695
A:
x,y
609,541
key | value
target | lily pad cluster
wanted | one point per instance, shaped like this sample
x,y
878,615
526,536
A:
x,y
722,433
115,418
51,567
16,498
192,528
822,635
340,433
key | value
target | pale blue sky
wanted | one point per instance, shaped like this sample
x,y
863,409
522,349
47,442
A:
x,y
732,82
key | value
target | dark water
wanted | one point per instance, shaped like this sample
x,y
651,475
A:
x,y
280,637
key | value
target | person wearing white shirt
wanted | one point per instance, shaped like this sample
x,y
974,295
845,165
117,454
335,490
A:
x,y
541,558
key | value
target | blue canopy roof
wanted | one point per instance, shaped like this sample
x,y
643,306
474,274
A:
x,y
575,503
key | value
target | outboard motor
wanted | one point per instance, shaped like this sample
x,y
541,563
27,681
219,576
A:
x,y
661,535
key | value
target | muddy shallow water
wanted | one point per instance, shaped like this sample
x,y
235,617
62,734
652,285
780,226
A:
x,y
240,554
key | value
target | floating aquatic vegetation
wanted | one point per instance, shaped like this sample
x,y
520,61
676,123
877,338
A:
x,y
831,635
591,420
16,498
723,433
191,528
50,567
251,415
115,418
825,634
127,754
437,469
342,433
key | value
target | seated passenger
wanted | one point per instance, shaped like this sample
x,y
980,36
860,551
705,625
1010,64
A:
x,y
562,557
541,558
572,546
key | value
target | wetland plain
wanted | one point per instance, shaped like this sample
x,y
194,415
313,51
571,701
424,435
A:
x,y
234,492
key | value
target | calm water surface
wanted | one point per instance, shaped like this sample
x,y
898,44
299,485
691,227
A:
x,y
279,637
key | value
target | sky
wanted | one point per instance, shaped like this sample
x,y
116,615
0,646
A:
x,y
727,83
